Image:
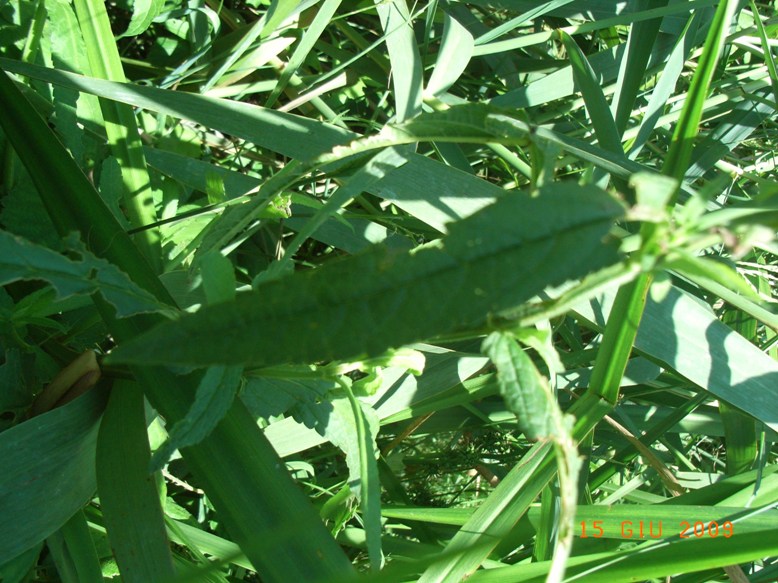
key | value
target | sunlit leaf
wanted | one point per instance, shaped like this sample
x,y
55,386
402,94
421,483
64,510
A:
x,y
493,261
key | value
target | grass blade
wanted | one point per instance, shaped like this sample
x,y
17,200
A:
x,y
128,494
121,127
590,86
666,85
642,37
718,359
686,129
456,50
74,552
369,484
307,43
648,562
37,459
404,57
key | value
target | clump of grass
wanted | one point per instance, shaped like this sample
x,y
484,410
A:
x,y
392,292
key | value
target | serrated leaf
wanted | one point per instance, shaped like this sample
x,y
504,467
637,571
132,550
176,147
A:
x,y
334,420
67,44
143,14
493,261
524,390
22,260
213,399
267,397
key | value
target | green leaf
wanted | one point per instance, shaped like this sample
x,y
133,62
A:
x,y
361,458
352,426
665,87
143,14
591,89
306,45
456,50
128,495
649,561
681,332
611,517
525,391
17,570
68,196
16,396
74,553
642,36
373,171
214,398
729,132
404,56
480,123
267,397
334,419
682,144
121,127
51,453
23,212
235,463
218,277
494,260
703,269
22,260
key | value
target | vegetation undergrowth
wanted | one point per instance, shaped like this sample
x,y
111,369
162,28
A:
x,y
333,291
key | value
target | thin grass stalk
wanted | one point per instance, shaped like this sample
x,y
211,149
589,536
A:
x,y
681,145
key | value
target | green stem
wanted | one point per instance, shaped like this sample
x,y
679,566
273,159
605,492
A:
x,y
619,337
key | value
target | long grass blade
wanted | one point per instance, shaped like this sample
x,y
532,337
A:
x,y
121,127
128,494
682,144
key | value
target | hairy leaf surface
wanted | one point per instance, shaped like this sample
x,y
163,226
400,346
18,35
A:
x,y
525,392
492,261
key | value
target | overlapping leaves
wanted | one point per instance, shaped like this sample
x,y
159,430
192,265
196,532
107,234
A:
x,y
494,260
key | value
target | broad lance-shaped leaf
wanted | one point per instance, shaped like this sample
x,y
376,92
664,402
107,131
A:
x,y
22,260
143,14
521,385
492,261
